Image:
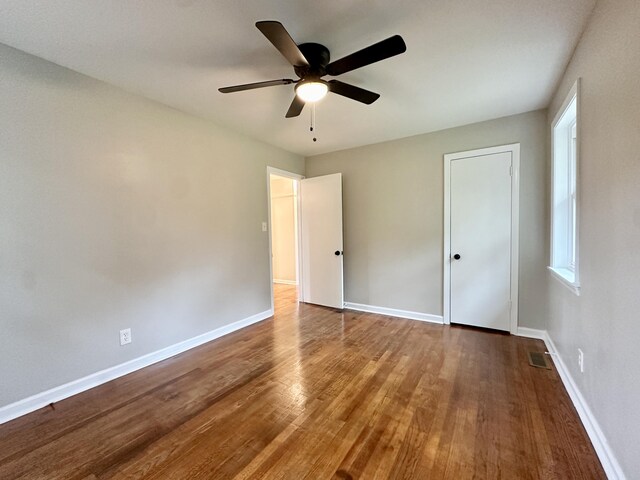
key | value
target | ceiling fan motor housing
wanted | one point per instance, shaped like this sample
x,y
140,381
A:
x,y
318,57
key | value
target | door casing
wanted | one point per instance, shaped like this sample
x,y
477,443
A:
x,y
298,178
514,149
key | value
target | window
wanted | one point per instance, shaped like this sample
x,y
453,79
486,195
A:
x,y
564,214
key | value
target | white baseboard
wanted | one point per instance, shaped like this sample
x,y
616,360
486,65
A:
x,y
603,449
532,333
423,317
39,400
285,282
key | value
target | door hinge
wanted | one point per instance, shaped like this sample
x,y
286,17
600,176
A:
x,y
511,170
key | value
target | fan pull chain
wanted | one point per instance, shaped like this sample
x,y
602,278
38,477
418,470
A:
x,y
313,121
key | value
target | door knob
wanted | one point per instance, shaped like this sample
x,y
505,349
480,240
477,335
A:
x,y
337,253
456,256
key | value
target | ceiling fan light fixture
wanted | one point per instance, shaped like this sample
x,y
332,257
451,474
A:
x,y
310,91
311,62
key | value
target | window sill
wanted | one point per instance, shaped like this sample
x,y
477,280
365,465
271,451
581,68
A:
x,y
566,278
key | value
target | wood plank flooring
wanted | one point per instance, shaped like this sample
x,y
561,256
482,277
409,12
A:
x,y
317,394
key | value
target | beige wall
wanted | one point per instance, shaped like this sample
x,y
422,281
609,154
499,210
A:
x,y
283,229
604,321
393,214
118,212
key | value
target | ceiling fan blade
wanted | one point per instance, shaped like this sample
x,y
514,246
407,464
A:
x,y
251,86
353,92
295,108
280,38
374,53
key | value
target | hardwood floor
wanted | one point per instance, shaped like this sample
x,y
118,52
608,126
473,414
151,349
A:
x,y
316,393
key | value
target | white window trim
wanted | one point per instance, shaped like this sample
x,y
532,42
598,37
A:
x,y
564,275
569,277
572,191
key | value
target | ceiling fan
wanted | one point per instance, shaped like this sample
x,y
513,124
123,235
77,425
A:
x,y
311,62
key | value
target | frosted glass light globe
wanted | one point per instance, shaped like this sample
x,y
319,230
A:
x,y
311,91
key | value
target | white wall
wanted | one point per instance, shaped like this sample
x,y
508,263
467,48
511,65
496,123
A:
x,y
393,214
117,212
605,320
283,228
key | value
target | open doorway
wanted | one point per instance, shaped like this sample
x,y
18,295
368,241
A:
x,y
284,188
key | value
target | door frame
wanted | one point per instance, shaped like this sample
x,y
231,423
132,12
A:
x,y
296,177
514,149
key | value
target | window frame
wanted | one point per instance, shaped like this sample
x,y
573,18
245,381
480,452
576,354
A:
x,y
564,258
571,190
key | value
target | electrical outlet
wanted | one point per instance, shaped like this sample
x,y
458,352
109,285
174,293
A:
x,y
581,360
125,336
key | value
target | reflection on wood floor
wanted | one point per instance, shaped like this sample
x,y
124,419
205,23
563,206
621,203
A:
x,y
317,393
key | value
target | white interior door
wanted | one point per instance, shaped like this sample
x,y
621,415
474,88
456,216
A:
x,y
321,238
481,240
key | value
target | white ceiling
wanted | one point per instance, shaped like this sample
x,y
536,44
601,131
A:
x,y
466,60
